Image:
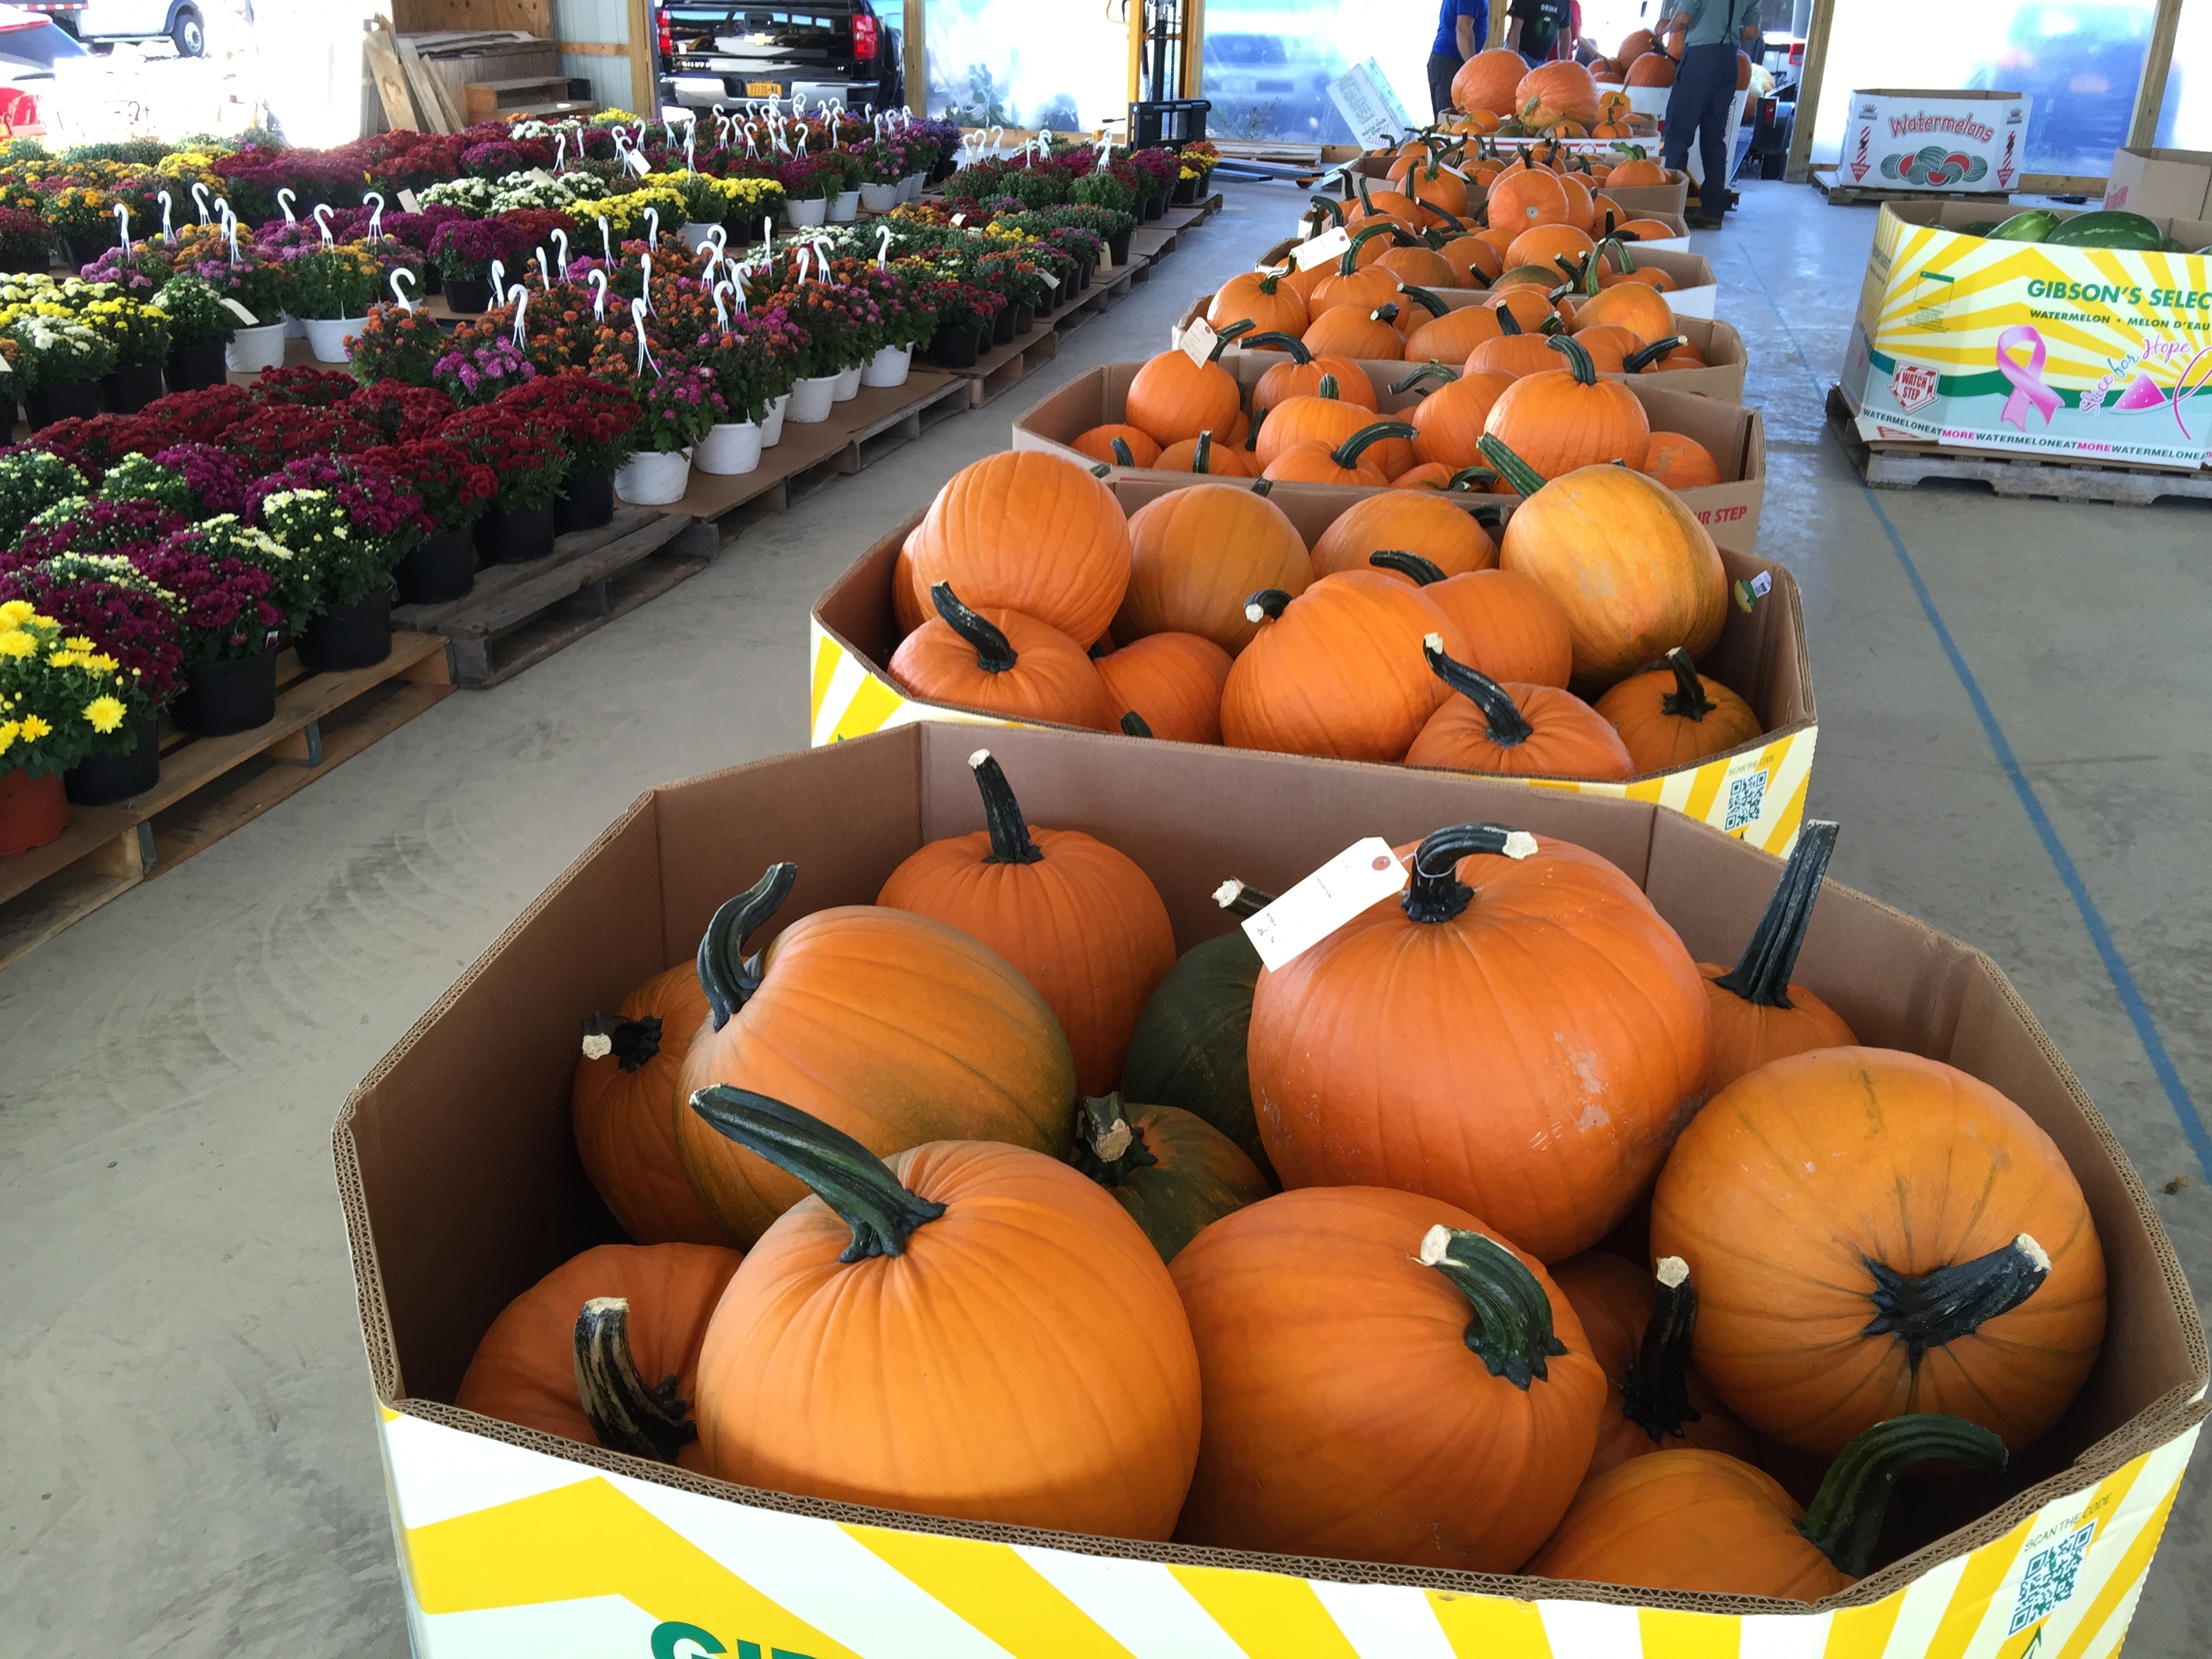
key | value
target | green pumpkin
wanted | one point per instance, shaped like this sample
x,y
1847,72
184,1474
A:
x,y
1187,1050
1174,1173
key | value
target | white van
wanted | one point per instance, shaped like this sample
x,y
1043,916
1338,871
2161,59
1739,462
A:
x,y
178,20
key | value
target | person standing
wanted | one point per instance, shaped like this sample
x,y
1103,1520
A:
x,y
1704,95
1540,28
1462,29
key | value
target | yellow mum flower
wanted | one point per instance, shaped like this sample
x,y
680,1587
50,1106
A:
x,y
16,612
81,642
36,727
17,643
64,659
101,661
106,713
8,731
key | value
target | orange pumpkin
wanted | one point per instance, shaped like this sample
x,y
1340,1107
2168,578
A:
x,y
1556,92
1514,354
1521,201
1449,422
1361,284
1582,206
1470,1053
1833,1297
1203,456
1543,244
1450,337
1302,376
1384,1380
1489,81
618,1107
1610,346
1116,445
1425,181
1759,1015
908,610
1635,307
1171,682
1674,716
1653,69
1531,307
1326,417
1634,45
1637,171
1613,107
1473,261
1028,532
1199,553
1562,419
1742,70
1369,459
1644,230
1447,536
1428,475
1171,397
644,1310
1515,731
969,1330
1263,296
1002,662
1679,462
1083,923
1511,630
1419,267
1358,335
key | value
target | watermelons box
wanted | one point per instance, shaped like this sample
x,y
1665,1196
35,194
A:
x,y
457,1169
2098,352
1941,140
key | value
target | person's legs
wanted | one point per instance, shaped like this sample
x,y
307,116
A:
x,y
1705,72
1715,138
1683,103
1440,70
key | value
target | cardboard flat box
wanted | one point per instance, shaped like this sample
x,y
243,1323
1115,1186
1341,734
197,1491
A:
x,y
2161,183
1730,510
1652,100
2094,353
1756,790
1937,139
458,1172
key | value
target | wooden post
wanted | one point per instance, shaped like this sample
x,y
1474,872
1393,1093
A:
x,y
1193,48
2158,60
1808,91
1136,10
391,81
915,45
644,63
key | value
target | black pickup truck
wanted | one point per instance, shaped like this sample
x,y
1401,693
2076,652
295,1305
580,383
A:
x,y
730,52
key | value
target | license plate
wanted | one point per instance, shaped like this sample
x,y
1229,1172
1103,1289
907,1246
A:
x,y
763,88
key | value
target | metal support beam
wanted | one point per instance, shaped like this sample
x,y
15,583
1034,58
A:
x,y
1193,48
1808,92
2158,60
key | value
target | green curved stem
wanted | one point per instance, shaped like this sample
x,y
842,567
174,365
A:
x,y
1511,1330
1202,454
1263,487
1384,313
1252,438
625,1415
1423,298
1348,453
1109,1148
1426,372
1239,900
1132,724
1350,263
1845,1519
1335,212
1578,358
1423,571
1506,725
1948,1302
1123,456
1524,478
724,974
835,1168
1011,842
1223,340
1468,478
631,1042
1266,606
1435,893
994,652
1761,974
1656,1393
1327,388
1507,322
1636,362
1273,341
1687,701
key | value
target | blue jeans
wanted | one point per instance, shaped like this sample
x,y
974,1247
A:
x,y
1703,93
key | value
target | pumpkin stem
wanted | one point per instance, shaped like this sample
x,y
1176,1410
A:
x,y
1239,900
835,1168
1470,478
1846,1520
1425,371
1656,1393
1350,263
1273,341
1507,322
1327,203
1228,337
1109,1148
1266,604
1123,456
1436,893
1458,225
1422,297
1327,388
1270,277
1511,1330
724,974
1948,1302
631,1042
1384,313
1687,701
1252,438
1263,486
1636,362
1508,727
1202,454
1132,724
1761,974
1524,478
625,1415
994,652
1578,358
1002,813
1348,453
1423,571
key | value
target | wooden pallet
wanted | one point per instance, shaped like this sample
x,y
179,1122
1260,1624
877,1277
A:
x,y
210,787
1106,291
857,434
520,614
1841,194
1002,368
1899,465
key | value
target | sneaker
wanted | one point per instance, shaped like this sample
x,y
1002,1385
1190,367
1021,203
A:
x,y
1705,221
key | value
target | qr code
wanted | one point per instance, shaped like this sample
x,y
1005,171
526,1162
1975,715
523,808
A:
x,y
1746,795
2048,1578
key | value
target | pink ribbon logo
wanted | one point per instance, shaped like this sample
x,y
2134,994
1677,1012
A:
x,y
2027,387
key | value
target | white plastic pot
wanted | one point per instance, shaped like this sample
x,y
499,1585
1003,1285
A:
x,y
912,185
771,425
811,397
330,338
696,236
295,328
882,199
251,349
809,212
653,478
846,207
888,367
730,447
849,383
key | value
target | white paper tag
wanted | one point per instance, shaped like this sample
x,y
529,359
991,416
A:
x,y
1762,584
241,313
1454,171
1330,245
410,201
539,176
635,162
1197,342
1050,281
1364,873
959,219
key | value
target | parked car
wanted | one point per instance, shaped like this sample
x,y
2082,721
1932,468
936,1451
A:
x,y
178,22
30,41
1272,85
812,49
2080,61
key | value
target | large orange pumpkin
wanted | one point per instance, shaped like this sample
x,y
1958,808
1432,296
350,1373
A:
x,y
969,1330
1264,297
1170,397
1556,92
1653,69
1449,422
1428,182
1515,353
1758,1014
618,1107
909,609
1172,682
1361,284
1542,245
1489,80
1302,376
1515,731
1521,1031
1841,1285
1202,455
1637,307
1674,716
1448,537
1385,1379
1419,267
1679,462
1634,571
1363,336
1117,445
1199,553
1083,923
893,1025
1324,417
1001,662
1521,201
1562,419
643,1309
1029,531
1473,261
1634,45
1514,629
1450,337
1637,170
1370,458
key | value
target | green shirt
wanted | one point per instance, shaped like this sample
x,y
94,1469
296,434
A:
x,y
1717,22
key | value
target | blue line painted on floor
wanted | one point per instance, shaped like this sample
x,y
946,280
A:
x,y
2070,875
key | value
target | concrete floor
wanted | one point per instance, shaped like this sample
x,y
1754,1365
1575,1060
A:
x,y
2012,698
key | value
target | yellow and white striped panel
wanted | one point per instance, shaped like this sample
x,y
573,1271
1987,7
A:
x,y
507,1552
1759,796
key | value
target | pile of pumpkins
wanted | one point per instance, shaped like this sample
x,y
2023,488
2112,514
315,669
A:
x,y
1567,648
1354,1263
1496,92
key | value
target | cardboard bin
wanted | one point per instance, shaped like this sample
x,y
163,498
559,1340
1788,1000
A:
x,y
461,1186
1736,436
1696,292
2161,183
1939,139
1756,790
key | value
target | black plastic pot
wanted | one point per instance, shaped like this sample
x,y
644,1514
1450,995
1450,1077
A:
x,y
194,368
433,281
1119,245
1083,271
586,502
222,698
1025,318
356,635
81,250
515,535
1149,208
468,297
1002,326
1185,193
954,347
99,779
59,402
131,387
441,567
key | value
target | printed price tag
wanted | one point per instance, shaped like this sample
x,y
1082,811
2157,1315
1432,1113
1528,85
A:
x,y
1323,248
539,176
1750,589
1454,171
959,219
1197,342
241,313
635,162
1364,873
1050,281
410,201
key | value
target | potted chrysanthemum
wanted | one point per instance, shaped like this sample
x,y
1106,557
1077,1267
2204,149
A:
x,y
59,701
